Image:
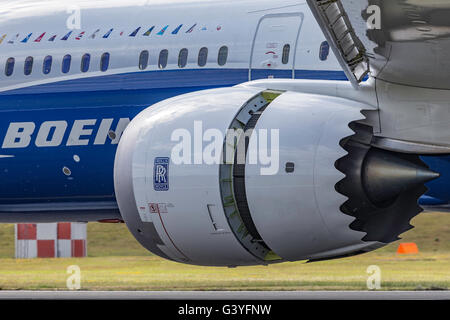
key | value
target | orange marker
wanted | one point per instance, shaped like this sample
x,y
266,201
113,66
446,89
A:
x,y
407,248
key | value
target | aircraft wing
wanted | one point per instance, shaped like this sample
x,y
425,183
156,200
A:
x,y
399,41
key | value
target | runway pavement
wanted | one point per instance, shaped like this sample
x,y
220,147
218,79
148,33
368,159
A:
x,y
225,295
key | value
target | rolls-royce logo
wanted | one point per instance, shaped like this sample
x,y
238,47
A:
x,y
161,174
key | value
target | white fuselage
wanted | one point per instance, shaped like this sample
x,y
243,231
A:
x,y
239,25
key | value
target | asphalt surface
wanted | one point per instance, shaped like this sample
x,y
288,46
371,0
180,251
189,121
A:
x,y
224,295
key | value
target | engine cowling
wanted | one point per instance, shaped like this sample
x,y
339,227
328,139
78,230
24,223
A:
x,y
245,176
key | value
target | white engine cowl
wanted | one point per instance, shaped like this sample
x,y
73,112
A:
x,y
222,213
298,214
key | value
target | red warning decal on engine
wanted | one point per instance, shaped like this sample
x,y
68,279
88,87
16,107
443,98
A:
x,y
153,207
158,208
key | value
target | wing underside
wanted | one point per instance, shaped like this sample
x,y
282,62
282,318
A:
x,y
399,41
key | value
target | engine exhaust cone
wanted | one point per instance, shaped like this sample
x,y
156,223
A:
x,y
385,175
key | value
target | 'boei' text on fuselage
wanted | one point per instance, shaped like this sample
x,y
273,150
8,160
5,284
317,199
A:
x,y
64,133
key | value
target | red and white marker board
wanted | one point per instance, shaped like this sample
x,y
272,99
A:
x,y
51,240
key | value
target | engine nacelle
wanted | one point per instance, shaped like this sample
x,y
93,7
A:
x,y
245,176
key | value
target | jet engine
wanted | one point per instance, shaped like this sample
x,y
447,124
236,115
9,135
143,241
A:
x,y
245,176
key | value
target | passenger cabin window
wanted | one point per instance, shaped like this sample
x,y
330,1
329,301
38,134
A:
x,y
182,58
47,65
143,60
324,51
163,58
85,62
286,53
104,62
28,66
67,60
223,56
202,57
9,67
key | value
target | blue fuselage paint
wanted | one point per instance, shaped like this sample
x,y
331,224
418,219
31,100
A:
x,y
66,172
439,189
